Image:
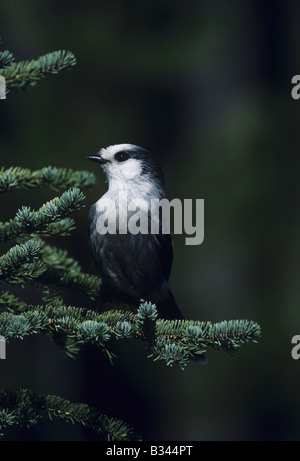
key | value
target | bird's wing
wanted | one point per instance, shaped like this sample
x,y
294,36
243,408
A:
x,y
91,216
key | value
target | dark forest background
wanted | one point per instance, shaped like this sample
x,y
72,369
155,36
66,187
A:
x,y
205,85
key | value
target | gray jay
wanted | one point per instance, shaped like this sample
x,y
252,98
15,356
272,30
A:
x,y
134,266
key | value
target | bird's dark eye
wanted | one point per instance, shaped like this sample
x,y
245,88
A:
x,y
121,156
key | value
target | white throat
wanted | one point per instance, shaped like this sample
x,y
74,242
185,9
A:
x,y
133,188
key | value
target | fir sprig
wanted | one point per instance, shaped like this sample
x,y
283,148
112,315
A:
x,y
172,341
56,178
6,59
11,303
21,263
24,408
65,272
50,219
27,73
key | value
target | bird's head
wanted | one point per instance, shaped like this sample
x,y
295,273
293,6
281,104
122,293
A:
x,y
125,163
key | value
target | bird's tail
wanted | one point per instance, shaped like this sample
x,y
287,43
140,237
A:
x,y
168,309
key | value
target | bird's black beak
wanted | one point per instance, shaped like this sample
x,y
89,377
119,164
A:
x,y
97,158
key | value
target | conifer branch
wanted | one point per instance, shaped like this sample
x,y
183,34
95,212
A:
x,y
26,73
56,178
172,341
6,59
11,303
62,271
21,263
45,266
31,260
49,220
25,408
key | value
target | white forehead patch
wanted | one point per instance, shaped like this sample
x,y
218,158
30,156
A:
x,y
110,151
